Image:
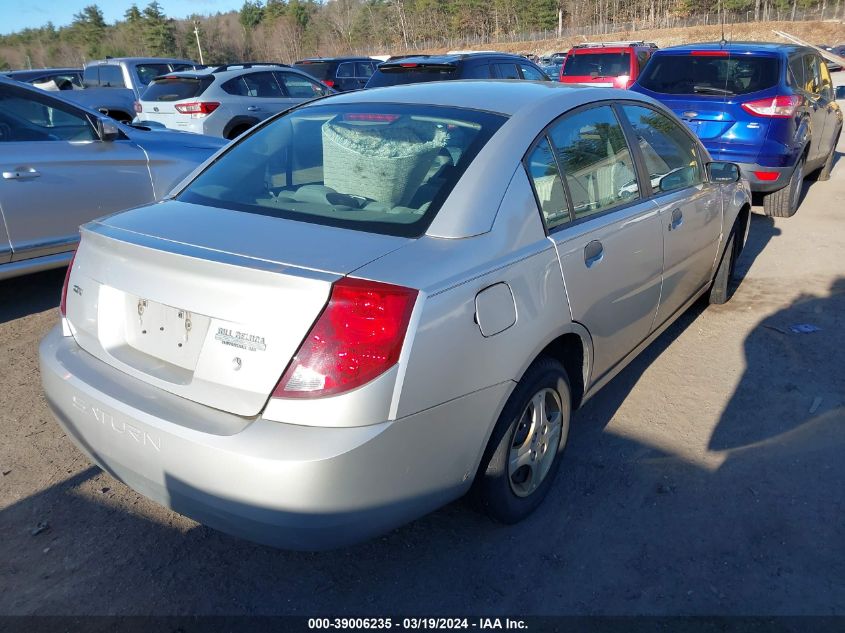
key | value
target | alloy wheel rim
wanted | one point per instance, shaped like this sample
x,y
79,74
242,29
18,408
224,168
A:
x,y
534,443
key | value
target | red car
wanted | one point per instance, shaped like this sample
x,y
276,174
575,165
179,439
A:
x,y
606,64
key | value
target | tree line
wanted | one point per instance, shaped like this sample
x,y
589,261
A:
x,y
286,30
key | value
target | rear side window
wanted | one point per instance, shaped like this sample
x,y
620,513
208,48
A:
x,y
103,76
397,75
176,88
545,178
709,75
381,168
671,156
300,87
320,70
345,70
642,60
477,71
812,75
597,65
595,160
364,69
531,74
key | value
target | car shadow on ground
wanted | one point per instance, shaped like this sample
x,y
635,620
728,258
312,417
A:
x,y
629,528
22,296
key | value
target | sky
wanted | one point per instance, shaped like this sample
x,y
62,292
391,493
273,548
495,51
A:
x,y
16,14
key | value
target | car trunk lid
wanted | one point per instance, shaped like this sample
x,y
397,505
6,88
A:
x,y
208,304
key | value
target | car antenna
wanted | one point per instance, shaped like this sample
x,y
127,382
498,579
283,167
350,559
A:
x,y
723,41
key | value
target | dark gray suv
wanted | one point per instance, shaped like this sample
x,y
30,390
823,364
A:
x,y
419,68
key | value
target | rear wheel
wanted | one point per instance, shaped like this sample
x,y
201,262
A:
x,y
783,203
523,454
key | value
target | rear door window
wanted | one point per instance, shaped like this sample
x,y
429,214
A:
x,y
595,160
345,70
110,76
364,70
477,71
666,148
320,70
300,87
812,75
262,85
507,70
709,75
530,73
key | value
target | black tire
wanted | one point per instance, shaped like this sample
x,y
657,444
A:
x,y
783,203
495,487
824,173
720,288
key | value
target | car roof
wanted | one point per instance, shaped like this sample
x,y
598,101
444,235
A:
x,y
334,59
503,96
450,59
36,72
141,60
738,47
223,75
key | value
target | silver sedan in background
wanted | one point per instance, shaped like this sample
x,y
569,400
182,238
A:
x,y
380,301
63,165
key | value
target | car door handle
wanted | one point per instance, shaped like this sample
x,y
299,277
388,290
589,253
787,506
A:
x,y
21,173
253,108
593,253
677,219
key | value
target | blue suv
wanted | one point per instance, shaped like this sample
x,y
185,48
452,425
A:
x,y
768,107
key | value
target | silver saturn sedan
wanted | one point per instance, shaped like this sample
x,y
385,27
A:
x,y
381,301
63,165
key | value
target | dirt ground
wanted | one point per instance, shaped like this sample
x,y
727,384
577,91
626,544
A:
x,y
707,478
830,32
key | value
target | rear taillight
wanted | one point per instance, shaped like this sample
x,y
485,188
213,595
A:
x,y
780,107
138,107
197,107
63,302
766,175
622,81
357,338
329,83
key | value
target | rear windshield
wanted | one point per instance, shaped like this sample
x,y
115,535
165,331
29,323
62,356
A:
x,y
597,65
318,70
708,75
381,168
148,72
396,75
176,88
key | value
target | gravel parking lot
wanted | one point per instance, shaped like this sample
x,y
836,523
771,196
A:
x,y
707,478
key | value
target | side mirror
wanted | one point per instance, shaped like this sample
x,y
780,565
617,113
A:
x,y
840,92
107,130
719,171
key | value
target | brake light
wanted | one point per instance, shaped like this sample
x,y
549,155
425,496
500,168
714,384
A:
x,y
710,53
138,107
63,302
357,338
780,107
408,65
197,107
766,175
329,82
622,81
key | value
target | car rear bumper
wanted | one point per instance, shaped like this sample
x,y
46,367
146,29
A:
x,y
284,485
751,171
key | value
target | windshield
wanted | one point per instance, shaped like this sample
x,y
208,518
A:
x,y
397,75
176,88
381,168
318,70
597,65
709,75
